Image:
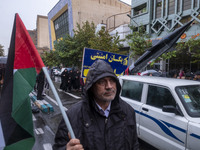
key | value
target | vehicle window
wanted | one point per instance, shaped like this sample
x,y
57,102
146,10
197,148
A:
x,y
190,96
132,90
159,96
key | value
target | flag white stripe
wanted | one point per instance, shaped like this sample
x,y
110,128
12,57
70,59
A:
x,y
2,141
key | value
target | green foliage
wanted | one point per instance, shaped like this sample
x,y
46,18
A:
x,y
164,56
1,50
51,59
104,41
139,41
190,47
70,49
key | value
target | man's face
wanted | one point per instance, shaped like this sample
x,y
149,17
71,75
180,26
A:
x,y
105,89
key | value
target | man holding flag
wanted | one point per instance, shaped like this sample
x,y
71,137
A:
x,y
101,120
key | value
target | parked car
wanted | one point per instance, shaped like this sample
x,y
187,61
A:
x,y
167,110
147,72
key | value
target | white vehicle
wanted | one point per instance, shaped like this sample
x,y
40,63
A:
x,y
167,110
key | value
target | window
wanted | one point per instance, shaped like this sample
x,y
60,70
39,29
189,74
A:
x,y
132,90
187,4
171,7
158,8
140,9
190,97
159,96
61,25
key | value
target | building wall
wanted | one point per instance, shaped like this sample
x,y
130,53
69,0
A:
x,y
42,32
79,11
163,16
99,11
169,15
33,35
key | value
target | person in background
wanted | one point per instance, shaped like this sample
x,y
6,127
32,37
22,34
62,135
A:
x,y
101,120
81,83
173,73
64,76
46,83
189,76
181,74
40,85
197,76
71,76
77,80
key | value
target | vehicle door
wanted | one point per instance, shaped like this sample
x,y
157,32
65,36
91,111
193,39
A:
x,y
163,130
132,93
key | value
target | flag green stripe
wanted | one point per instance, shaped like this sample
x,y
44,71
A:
x,y
25,144
23,83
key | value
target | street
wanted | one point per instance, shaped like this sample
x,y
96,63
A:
x,y
45,124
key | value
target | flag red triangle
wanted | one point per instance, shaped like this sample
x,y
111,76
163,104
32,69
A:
x,y
26,54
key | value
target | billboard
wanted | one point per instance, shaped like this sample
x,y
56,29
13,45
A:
x,y
118,62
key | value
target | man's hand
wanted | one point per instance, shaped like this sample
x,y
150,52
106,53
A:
x,y
74,144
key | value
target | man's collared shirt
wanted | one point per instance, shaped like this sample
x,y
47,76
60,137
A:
x,y
106,112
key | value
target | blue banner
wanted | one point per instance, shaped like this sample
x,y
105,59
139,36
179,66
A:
x,y
118,62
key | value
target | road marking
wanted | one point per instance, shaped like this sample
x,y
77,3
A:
x,y
45,102
54,101
70,94
34,119
47,146
49,129
39,131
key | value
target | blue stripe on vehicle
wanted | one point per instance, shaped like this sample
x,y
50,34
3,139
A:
x,y
161,125
194,135
169,125
173,126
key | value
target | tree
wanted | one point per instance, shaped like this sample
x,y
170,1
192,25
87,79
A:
x,y
1,50
191,48
138,41
51,58
70,49
104,41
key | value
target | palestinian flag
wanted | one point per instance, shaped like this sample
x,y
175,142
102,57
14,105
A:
x,y
23,64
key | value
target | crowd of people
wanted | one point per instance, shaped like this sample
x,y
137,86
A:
x,y
71,79
182,75
178,74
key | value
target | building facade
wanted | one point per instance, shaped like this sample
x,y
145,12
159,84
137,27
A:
x,y
160,17
42,33
64,16
43,43
33,35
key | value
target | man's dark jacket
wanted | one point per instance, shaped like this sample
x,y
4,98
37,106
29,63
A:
x,y
94,130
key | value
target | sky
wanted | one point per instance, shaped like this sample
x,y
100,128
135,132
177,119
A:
x,y
28,11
